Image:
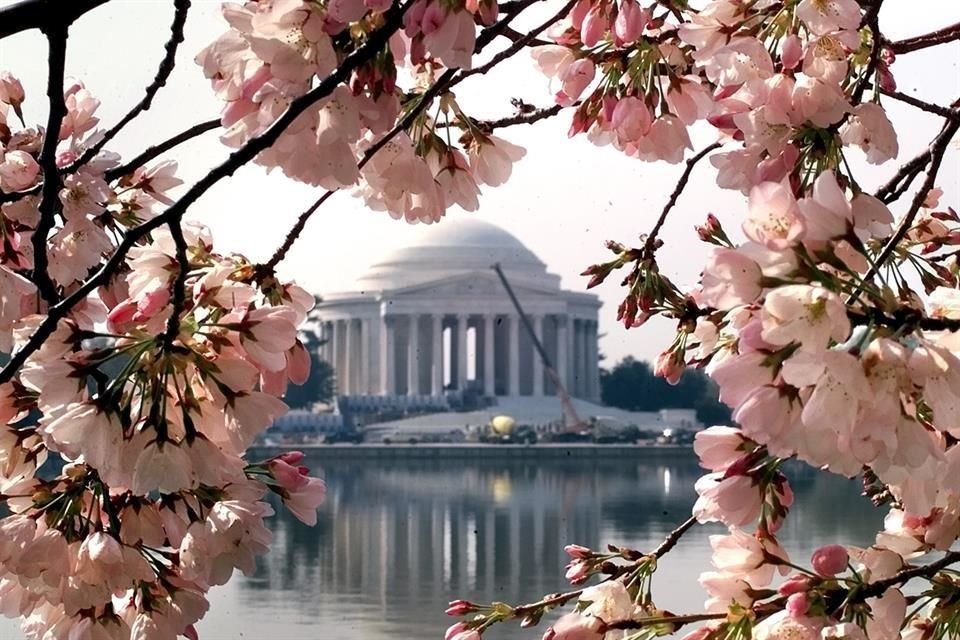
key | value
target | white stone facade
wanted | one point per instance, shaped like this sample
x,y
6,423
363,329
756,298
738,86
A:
x,y
433,317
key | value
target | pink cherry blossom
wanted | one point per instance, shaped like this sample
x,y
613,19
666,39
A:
x,y
718,447
869,128
774,218
810,316
492,160
825,16
18,171
730,279
830,560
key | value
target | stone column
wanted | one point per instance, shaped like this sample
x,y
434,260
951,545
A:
x,y
387,361
537,322
584,361
593,363
413,355
437,355
513,353
489,322
562,366
349,356
365,385
578,367
462,351
334,355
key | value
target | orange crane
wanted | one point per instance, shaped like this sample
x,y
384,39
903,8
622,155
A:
x,y
571,420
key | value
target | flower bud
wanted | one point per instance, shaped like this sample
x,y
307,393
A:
x,y
830,560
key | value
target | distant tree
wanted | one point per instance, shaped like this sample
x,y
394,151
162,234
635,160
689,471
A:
x,y
631,385
319,387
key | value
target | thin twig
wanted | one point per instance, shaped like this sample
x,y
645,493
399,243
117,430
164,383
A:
x,y
179,284
158,149
937,150
872,20
879,587
673,538
181,7
250,150
903,178
932,39
50,200
650,245
42,14
943,112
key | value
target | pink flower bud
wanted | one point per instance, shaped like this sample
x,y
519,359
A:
x,y
794,584
577,571
577,551
594,26
797,605
292,457
11,91
460,608
461,631
630,23
792,52
669,367
830,560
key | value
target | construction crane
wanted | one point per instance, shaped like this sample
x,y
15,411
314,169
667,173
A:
x,y
571,420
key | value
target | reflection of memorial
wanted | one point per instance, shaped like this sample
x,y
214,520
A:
x,y
397,539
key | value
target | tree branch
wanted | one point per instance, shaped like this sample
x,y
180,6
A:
x,y
42,14
158,149
50,199
929,107
932,39
650,245
937,150
179,284
673,538
879,587
181,7
903,178
872,20
375,42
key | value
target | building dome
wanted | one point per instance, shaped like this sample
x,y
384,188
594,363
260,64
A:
x,y
452,248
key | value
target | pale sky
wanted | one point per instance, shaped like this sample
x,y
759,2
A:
x,y
564,200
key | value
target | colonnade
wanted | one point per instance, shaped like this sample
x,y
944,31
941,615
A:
x,y
430,353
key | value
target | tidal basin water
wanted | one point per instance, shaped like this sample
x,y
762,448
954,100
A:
x,y
397,539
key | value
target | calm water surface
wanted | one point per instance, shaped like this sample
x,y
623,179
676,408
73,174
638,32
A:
x,y
397,539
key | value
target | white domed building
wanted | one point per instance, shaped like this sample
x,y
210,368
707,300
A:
x,y
433,317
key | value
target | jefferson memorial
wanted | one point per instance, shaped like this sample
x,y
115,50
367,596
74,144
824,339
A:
x,y
434,317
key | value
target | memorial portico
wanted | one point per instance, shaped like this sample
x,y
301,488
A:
x,y
433,317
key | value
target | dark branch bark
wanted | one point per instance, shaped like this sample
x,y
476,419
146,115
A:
x,y
181,7
179,284
879,587
937,150
901,181
376,41
929,107
43,14
872,20
650,245
159,149
50,199
932,39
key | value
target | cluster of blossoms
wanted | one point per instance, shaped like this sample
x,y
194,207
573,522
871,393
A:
x,y
139,405
276,52
807,318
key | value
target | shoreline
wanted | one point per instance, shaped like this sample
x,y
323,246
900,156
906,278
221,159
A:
x,y
476,450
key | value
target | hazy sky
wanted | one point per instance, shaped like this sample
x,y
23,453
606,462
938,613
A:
x,y
564,199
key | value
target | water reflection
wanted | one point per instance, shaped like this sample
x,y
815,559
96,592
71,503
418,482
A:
x,y
397,539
